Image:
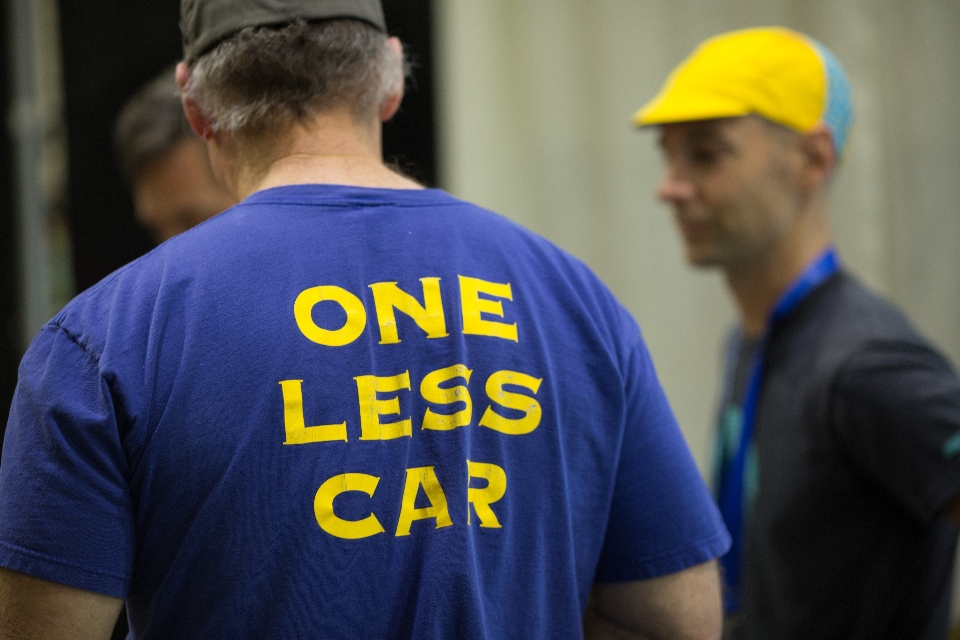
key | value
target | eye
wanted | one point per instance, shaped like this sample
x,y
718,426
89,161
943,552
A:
x,y
705,155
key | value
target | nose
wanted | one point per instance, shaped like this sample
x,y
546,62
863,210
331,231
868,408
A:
x,y
674,187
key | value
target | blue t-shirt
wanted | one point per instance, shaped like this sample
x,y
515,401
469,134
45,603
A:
x,y
339,412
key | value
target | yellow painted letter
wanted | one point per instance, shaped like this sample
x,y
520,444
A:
x,y
429,317
426,478
496,392
350,331
328,520
473,305
371,408
481,499
431,391
293,422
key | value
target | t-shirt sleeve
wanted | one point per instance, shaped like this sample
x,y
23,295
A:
x,y
897,409
65,509
662,519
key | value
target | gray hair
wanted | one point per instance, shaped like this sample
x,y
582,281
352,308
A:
x,y
150,124
264,78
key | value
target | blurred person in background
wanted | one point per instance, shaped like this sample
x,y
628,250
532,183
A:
x,y
165,164
348,406
837,466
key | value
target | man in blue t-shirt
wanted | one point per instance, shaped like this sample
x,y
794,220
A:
x,y
838,444
347,407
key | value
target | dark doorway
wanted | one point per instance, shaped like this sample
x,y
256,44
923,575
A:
x,y
9,292
408,140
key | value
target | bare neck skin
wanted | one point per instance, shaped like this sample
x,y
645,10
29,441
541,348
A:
x,y
332,148
757,284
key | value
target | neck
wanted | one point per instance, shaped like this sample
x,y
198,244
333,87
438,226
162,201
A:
x,y
758,283
331,148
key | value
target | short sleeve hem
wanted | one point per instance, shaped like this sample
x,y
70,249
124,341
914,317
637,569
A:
x,y
46,567
43,566
662,564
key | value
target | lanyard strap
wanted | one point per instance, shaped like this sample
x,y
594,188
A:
x,y
731,494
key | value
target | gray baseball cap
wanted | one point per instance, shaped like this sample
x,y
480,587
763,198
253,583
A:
x,y
204,23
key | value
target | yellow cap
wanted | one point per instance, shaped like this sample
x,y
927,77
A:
x,y
774,72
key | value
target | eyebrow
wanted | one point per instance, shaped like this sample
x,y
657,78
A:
x,y
705,133
699,133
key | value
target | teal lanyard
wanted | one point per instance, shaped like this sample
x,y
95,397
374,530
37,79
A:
x,y
730,488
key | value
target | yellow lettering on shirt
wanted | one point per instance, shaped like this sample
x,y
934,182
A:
x,y
432,392
422,477
333,524
472,306
517,401
351,304
294,424
481,499
371,407
387,296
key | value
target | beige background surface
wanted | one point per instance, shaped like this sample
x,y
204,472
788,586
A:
x,y
535,101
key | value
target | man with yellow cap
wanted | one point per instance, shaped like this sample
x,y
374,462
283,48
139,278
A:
x,y
838,443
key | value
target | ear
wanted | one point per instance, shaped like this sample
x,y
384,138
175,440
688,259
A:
x,y
392,102
198,122
819,156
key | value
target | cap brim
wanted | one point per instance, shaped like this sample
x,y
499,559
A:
x,y
683,106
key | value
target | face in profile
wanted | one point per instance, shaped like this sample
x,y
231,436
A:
x,y
177,191
732,184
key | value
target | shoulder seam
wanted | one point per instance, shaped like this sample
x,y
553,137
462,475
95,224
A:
x,y
77,340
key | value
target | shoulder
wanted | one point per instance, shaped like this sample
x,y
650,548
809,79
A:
x,y
559,279
90,315
845,340
843,317
130,304
870,314
870,329
883,370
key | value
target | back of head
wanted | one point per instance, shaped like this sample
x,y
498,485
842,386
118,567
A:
x,y
258,66
779,74
151,124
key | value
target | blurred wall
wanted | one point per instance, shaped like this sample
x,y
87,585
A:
x,y
535,98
